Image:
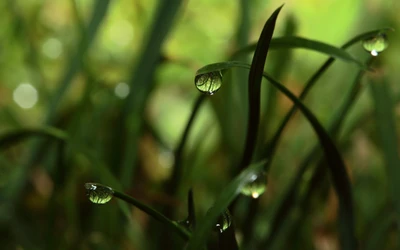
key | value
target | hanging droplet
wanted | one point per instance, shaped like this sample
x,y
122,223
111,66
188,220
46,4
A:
x,y
224,222
256,186
186,224
376,44
98,193
209,83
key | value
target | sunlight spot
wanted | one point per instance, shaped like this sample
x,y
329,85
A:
x,y
122,33
121,90
52,48
25,95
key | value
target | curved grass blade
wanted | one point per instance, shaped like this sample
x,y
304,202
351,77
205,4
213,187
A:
x,y
141,81
155,214
75,63
199,236
272,145
287,202
294,42
17,135
175,180
335,162
386,128
254,88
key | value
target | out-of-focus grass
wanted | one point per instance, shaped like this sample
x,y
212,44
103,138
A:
x,y
39,38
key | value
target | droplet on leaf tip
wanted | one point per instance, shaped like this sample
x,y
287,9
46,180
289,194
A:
x,y
209,83
256,185
376,44
98,193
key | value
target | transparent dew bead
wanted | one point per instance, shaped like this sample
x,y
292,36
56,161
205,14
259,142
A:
x,y
256,186
209,83
98,193
224,222
376,44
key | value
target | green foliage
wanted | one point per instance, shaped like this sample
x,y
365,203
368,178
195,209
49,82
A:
x,y
119,127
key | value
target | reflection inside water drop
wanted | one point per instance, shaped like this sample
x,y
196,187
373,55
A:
x,y
376,44
209,83
98,193
224,221
256,186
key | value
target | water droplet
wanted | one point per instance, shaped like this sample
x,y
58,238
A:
x,y
256,186
209,83
186,224
376,44
224,222
98,193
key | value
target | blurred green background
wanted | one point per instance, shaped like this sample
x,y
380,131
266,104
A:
x,y
75,65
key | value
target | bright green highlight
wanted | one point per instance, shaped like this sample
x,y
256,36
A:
x,y
209,83
98,193
376,44
256,186
223,222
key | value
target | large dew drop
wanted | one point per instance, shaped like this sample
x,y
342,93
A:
x,y
98,193
376,44
223,222
256,186
209,83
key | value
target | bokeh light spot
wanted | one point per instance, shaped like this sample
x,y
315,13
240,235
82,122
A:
x,y
25,95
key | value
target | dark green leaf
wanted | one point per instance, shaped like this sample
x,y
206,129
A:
x,y
335,162
254,88
17,135
199,237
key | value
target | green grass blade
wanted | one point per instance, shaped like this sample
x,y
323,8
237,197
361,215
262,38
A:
x,y
14,136
75,64
199,236
254,88
142,82
294,42
335,162
386,128
287,202
154,213
272,145
175,180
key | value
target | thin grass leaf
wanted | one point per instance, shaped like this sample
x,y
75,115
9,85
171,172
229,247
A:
x,y
254,88
174,226
175,180
15,136
294,42
287,202
379,232
75,63
336,165
232,190
141,82
191,209
386,127
270,147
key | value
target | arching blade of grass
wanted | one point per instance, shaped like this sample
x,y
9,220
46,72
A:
x,y
386,128
335,162
17,135
172,225
175,180
288,199
142,82
199,236
294,42
75,63
254,88
272,145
